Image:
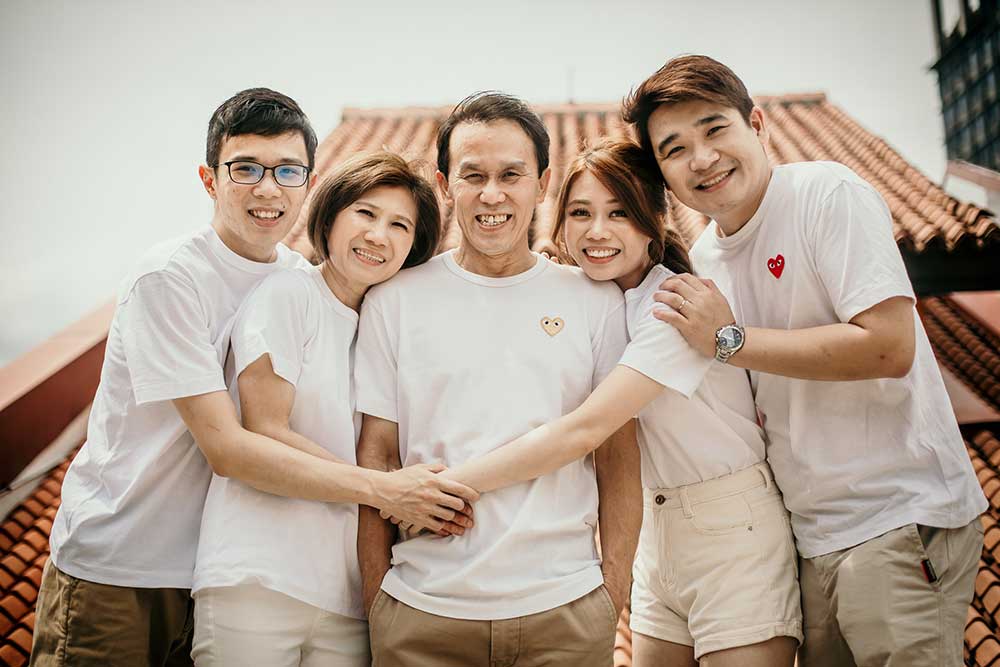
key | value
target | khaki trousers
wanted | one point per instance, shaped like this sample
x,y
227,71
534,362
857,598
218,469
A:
x,y
83,624
578,634
872,604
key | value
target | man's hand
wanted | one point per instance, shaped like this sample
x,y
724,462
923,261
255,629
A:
x,y
458,526
419,496
618,590
696,308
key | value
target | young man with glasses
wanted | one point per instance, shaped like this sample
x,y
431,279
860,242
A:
x,y
116,590
802,284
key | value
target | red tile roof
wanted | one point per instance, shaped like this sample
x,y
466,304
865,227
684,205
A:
x,y
802,127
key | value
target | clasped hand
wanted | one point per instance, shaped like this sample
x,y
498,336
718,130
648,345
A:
x,y
417,497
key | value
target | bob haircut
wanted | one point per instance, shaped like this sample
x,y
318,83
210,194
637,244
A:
x,y
351,180
685,79
623,168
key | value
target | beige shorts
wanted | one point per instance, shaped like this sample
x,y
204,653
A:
x,y
716,566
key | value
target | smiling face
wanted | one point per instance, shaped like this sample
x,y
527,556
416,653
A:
x,y
494,187
711,159
600,237
251,219
370,239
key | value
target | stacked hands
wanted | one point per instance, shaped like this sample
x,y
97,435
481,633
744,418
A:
x,y
417,497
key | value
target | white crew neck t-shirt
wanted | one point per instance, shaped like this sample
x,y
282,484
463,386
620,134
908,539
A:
x,y
132,498
305,549
464,364
853,459
704,424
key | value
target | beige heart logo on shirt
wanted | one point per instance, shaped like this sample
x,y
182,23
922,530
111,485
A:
x,y
552,325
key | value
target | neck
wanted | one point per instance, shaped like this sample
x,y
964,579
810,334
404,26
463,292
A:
x,y
264,254
730,223
348,294
502,266
632,279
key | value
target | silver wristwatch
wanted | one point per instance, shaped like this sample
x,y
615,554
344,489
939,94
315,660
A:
x,y
728,341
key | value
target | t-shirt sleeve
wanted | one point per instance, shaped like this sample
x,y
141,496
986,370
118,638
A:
x,y
855,253
167,342
658,351
375,364
274,320
609,341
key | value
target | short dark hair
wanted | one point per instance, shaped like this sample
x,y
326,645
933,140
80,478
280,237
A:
x,y
684,79
635,181
486,107
351,180
257,111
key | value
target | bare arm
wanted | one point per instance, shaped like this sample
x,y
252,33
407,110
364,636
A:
x,y
273,467
615,401
378,449
266,401
620,513
877,343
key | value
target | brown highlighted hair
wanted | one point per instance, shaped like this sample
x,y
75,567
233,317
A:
x,y
684,79
623,168
351,180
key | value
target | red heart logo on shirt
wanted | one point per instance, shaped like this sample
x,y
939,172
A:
x,y
776,265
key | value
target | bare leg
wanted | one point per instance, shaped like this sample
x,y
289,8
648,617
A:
x,y
776,652
651,652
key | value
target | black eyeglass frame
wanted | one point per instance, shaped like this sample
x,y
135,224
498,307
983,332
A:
x,y
263,173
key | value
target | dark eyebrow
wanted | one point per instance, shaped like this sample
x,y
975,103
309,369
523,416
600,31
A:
x,y
253,158
701,121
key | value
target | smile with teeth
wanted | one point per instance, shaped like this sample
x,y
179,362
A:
x,y
715,181
369,257
266,213
601,253
492,220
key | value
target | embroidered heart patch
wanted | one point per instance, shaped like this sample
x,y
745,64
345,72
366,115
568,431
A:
x,y
776,265
552,325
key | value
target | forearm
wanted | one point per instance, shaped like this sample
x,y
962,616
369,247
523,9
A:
x,y
375,535
286,435
833,352
620,511
274,467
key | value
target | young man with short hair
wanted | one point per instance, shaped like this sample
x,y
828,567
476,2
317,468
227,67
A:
x,y
802,284
116,588
457,357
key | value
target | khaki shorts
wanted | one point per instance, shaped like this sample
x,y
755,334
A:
x,y
83,624
873,604
716,564
580,633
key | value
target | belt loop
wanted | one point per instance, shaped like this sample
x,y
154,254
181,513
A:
x,y
686,504
765,474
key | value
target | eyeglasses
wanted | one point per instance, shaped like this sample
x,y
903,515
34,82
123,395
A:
x,y
251,173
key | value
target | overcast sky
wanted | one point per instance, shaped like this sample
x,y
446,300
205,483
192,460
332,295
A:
x,y
105,104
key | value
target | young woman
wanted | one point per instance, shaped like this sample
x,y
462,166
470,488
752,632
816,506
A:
x,y
715,574
277,579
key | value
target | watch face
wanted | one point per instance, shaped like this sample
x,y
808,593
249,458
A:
x,y
731,338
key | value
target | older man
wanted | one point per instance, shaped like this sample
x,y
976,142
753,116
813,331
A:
x,y
456,358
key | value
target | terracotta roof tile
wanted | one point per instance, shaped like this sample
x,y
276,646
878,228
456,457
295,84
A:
x,y
802,127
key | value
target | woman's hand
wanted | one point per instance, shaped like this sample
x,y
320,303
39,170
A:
x,y
418,495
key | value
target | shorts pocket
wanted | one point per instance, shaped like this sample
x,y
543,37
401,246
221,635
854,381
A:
x,y
722,516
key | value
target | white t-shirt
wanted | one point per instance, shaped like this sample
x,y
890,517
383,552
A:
x,y
305,549
464,364
132,499
704,424
853,459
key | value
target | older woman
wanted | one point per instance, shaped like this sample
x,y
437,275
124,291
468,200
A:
x,y
277,579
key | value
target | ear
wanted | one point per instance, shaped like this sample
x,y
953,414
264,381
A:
x,y
207,176
759,125
442,185
543,185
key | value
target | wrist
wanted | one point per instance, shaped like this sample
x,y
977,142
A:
x,y
374,488
729,340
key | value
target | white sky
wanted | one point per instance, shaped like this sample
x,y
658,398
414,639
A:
x,y
105,104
